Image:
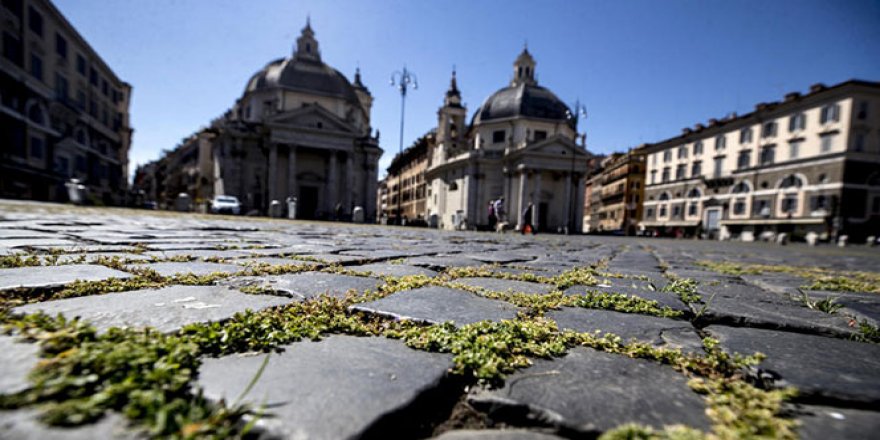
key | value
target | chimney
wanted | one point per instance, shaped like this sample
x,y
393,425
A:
x,y
792,96
713,122
686,131
818,87
698,127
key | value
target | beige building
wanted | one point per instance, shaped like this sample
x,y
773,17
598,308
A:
x,y
520,144
406,181
63,111
299,131
619,188
810,163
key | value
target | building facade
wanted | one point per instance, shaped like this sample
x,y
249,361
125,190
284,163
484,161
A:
x,y
406,180
63,111
619,188
810,163
520,145
300,131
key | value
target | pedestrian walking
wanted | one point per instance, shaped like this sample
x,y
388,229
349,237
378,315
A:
x,y
500,214
493,219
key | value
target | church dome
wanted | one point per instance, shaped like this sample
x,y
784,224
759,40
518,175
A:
x,y
522,100
304,72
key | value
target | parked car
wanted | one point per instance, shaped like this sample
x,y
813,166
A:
x,y
225,205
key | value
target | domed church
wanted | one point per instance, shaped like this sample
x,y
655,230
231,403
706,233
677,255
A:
x,y
520,145
300,130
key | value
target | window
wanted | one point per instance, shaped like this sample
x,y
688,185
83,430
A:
x,y
37,147
694,193
745,135
663,197
862,112
649,213
827,141
768,155
61,87
662,211
698,148
859,142
60,46
11,49
81,99
93,108
743,160
791,181
80,164
696,169
498,136
679,172
768,129
720,142
719,166
682,152
62,165
93,76
654,159
761,207
665,176
741,188
653,176
692,209
667,156
35,21
794,149
789,203
540,135
36,66
818,203
739,206
14,6
81,64
105,88
676,211
830,113
797,121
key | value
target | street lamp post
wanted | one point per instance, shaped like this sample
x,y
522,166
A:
x,y
577,112
402,80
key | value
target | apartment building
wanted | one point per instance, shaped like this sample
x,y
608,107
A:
x,y
809,163
620,192
406,181
63,111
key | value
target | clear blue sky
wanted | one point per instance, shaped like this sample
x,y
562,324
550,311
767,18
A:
x,y
644,69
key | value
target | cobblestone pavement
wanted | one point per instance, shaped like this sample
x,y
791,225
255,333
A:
x,y
383,332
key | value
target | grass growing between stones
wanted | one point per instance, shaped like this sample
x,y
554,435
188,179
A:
x,y
149,376
818,278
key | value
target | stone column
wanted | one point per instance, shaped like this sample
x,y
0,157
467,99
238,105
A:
x,y
273,173
472,212
349,188
569,222
332,186
369,197
579,204
506,192
521,199
536,200
291,171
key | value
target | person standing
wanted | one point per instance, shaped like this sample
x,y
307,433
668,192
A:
x,y
499,209
492,216
527,227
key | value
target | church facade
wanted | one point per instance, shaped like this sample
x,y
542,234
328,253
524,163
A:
x,y
300,131
521,144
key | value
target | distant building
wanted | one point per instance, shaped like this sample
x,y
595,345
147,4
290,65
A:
x,y
63,111
406,180
616,194
810,163
520,145
300,130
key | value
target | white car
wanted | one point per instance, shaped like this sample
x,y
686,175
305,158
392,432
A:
x,y
225,205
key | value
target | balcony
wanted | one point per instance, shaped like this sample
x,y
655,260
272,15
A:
x,y
717,182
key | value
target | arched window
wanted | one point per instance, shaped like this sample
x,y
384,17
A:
x,y
742,187
694,193
664,197
790,182
36,113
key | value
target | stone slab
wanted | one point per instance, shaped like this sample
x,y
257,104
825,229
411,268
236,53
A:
x,y
310,284
659,332
25,425
331,389
168,269
55,276
496,434
820,367
442,262
18,360
591,391
439,304
824,422
394,270
502,285
662,298
166,309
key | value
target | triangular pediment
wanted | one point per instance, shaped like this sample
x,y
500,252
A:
x,y
556,146
311,117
